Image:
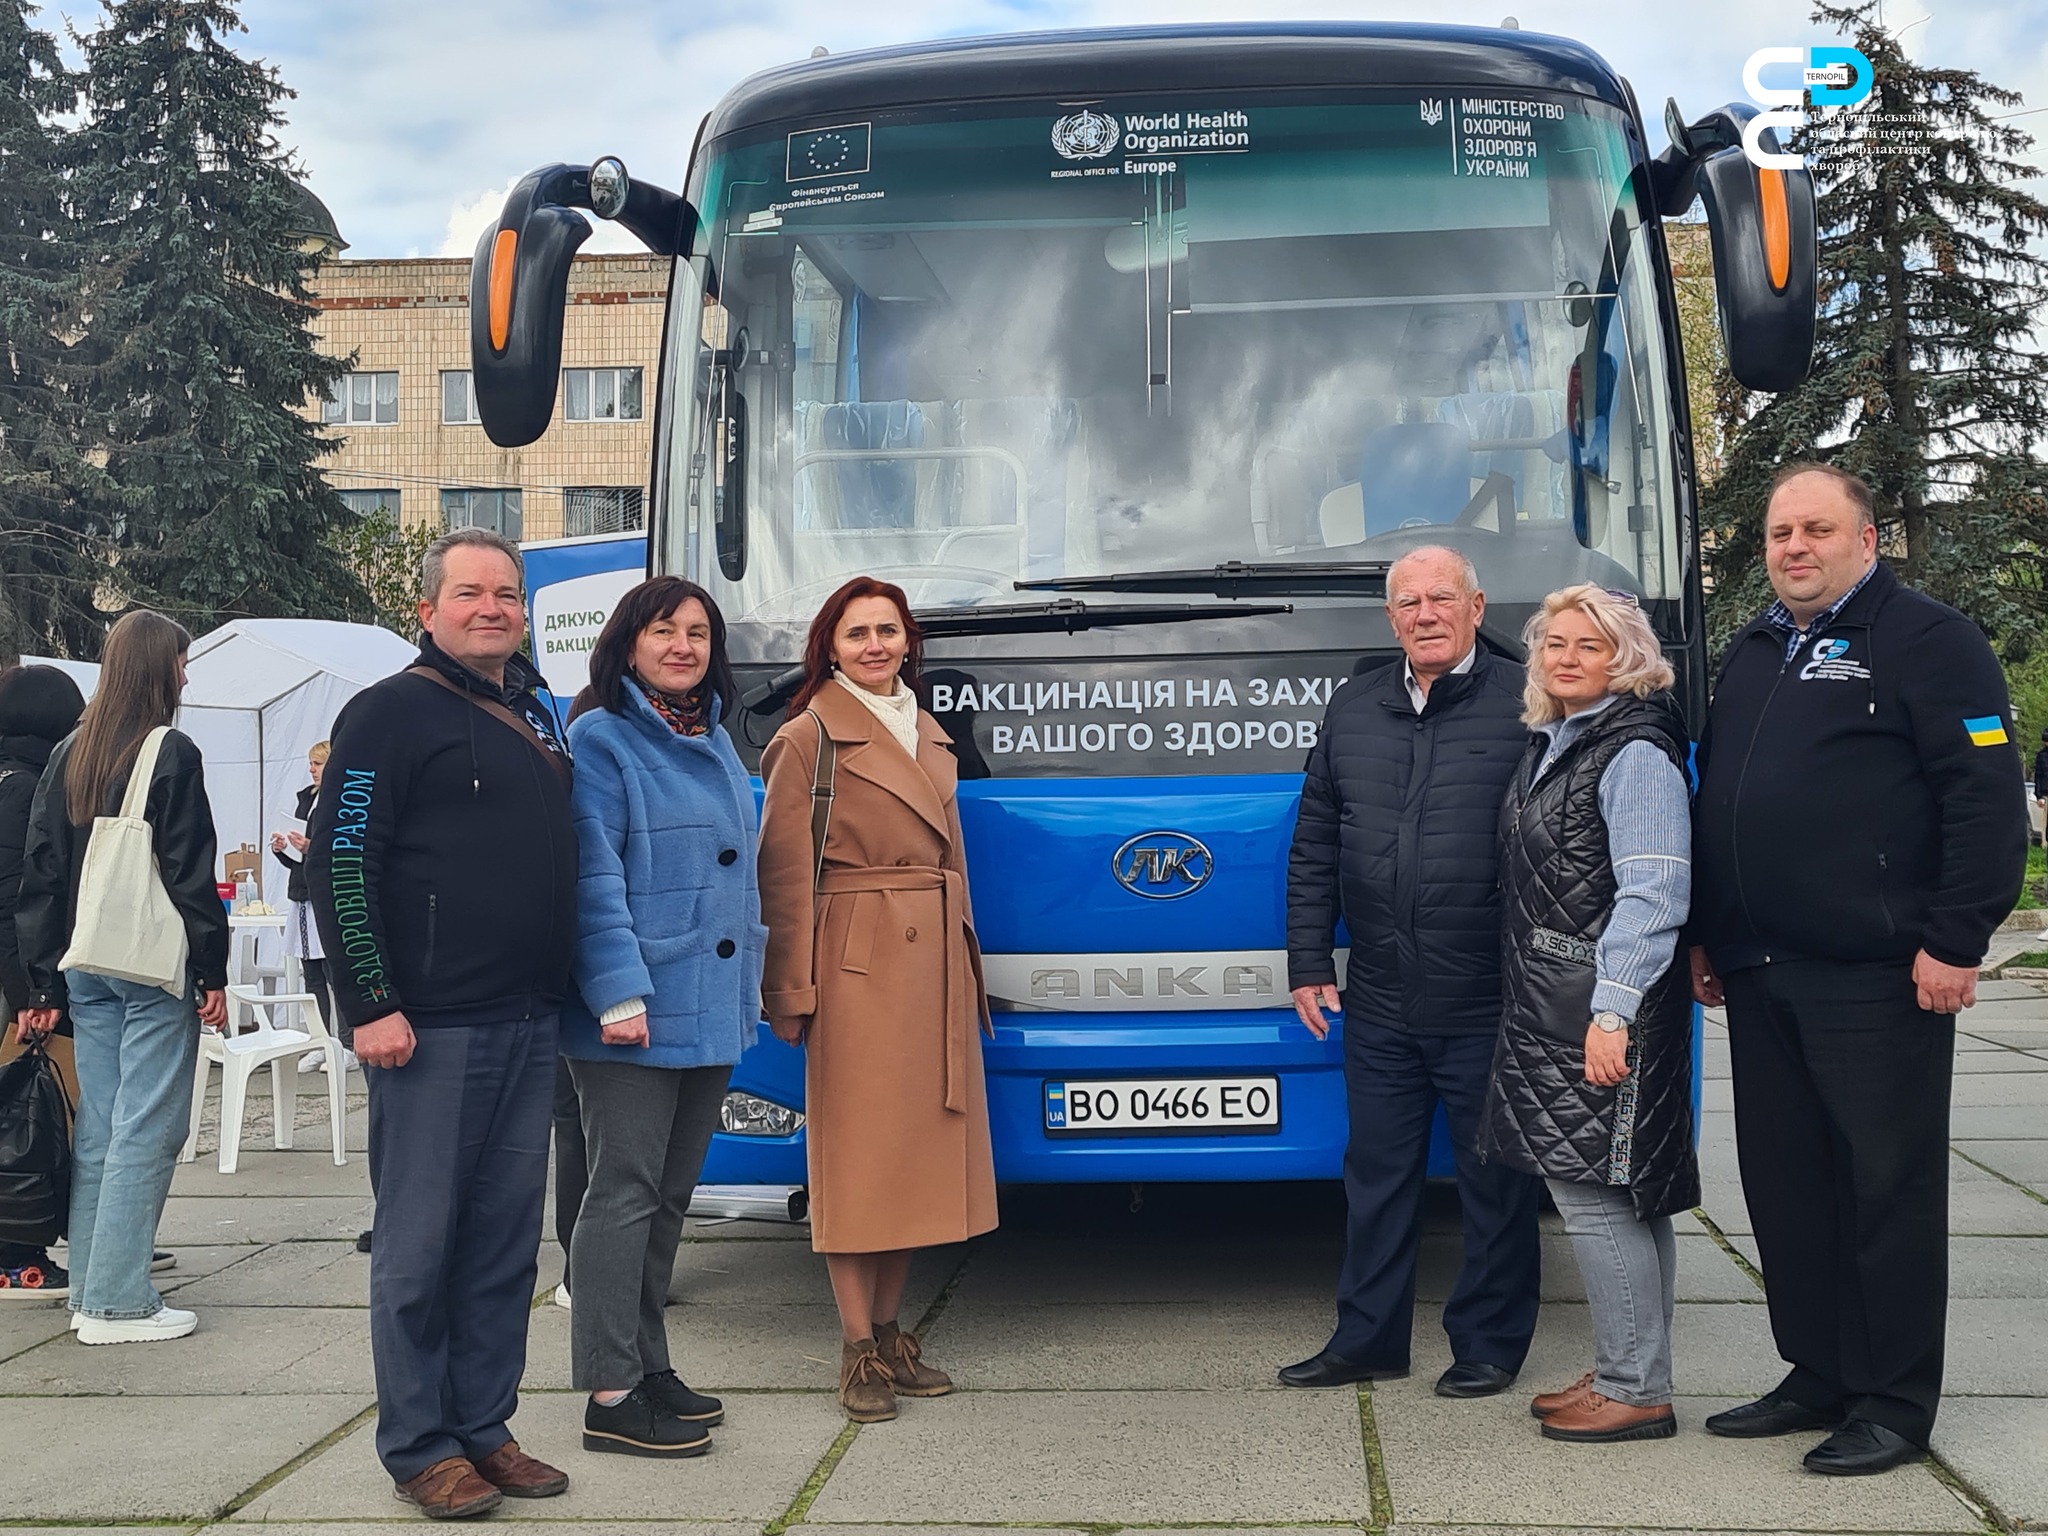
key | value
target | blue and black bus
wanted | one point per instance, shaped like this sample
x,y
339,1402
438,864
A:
x,y
1136,357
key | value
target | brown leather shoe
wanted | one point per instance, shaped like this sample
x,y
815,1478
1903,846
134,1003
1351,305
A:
x,y
518,1476
1544,1404
903,1356
864,1385
450,1490
1596,1418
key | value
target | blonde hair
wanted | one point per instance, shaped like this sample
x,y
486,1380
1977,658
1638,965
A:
x,y
1639,666
319,752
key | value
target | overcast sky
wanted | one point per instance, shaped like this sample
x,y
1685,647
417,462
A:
x,y
414,117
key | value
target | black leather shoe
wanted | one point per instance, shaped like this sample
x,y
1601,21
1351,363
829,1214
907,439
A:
x,y
1328,1370
1860,1448
1473,1378
1771,1414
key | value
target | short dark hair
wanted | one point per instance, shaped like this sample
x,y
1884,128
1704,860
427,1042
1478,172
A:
x,y
1852,486
611,658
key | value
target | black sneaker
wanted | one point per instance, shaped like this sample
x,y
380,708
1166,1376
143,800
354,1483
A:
x,y
161,1259
363,1242
667,1389
637,1425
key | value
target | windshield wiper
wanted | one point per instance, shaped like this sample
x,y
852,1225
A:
x,y
1062,614
1354,578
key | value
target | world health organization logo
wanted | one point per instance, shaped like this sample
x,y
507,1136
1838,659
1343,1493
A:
x,y
1085,135
1162,865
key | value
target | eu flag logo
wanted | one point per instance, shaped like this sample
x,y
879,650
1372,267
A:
x,y
837,151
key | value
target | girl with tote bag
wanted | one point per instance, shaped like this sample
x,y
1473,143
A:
x,y
120,921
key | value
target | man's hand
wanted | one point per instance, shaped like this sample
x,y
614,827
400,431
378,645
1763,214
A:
x,y
790,1029
1706,986
31,1022
1944,988
1606,1056
385,1042
1311,1003
213,1008
631,1031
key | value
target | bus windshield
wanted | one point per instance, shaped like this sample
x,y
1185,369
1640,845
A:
x,y
966,347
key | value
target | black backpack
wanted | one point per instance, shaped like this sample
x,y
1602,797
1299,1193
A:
x,y
35,1150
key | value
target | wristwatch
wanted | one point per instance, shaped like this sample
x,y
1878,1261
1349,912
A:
x,y
1609,1022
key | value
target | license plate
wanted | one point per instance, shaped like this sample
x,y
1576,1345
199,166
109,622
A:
x,y
1175,1106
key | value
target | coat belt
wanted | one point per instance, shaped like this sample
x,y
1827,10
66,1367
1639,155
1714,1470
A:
x,y
963,984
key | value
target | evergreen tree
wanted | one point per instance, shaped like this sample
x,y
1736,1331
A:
x,y
198,341
1925,381
47,577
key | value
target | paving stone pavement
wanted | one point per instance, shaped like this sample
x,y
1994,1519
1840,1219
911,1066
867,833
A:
x,y
1116,1370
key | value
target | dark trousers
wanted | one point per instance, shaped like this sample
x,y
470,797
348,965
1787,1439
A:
x,y
1394,1081
459,1166
647,1129
572,1163
1841,1126
317,983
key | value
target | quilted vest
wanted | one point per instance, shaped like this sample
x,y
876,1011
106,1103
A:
x,y
1558,890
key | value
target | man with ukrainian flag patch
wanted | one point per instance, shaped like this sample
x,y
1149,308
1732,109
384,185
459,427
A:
x,y
1860,831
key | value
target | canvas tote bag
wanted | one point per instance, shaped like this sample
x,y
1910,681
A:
x,y
127,925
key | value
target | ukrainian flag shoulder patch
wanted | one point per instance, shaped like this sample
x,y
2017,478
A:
x,y
1986,731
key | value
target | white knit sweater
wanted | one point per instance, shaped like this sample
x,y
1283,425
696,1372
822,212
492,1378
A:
x,y
897,711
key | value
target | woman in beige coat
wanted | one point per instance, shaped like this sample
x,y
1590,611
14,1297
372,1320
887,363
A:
x,y
872,965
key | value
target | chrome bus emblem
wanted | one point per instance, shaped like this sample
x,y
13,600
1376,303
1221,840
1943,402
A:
x,y
1085,135
1162,865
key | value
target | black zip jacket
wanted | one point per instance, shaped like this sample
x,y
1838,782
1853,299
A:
x,y
1399,829
441,862
181,826
21,764
1862,801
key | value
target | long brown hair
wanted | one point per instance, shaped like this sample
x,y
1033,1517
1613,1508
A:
x,y
818,644
611,659
138,692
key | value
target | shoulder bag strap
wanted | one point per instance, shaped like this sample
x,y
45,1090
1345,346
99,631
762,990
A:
x,y
136,799
498,711
821,797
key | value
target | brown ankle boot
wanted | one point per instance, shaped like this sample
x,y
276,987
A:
x,y
902,1354
864,1390
1544,1404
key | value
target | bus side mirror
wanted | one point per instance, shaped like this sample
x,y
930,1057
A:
x,y
1766,244
519,283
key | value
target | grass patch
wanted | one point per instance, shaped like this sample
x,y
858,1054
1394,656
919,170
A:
x,y
2033,958
2034,889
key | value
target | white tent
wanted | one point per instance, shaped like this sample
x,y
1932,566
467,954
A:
x,y
84,673
258,693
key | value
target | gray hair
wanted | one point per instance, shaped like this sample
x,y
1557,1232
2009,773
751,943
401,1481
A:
x,y
434,564
1468,577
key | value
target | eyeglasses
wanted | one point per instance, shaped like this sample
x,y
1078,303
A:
x,y
1627,598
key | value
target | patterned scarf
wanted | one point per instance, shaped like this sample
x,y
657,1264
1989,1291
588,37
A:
x,y
689,715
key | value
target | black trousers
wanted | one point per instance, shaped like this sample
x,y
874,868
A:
x,y
459,1167
572,1162
1394,1081
1841,1125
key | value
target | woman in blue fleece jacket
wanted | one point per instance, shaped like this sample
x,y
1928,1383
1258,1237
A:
x,y
668,991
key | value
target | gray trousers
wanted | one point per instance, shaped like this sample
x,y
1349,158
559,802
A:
x,y
1630,1269
646,1130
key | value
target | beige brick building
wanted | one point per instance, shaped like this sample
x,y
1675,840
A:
x,y
406,417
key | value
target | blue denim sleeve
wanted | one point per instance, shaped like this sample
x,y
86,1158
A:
x,y
1645,800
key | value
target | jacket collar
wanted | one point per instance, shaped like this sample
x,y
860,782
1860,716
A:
x,y
923,785
648,721
1857,610
1447,690
521,677
29,751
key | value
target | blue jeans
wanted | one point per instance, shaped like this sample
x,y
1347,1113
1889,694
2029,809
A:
x,y
137,1047
1630,1268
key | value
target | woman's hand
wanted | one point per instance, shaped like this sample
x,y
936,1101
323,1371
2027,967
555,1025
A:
x,y
631,1031
31,1022
277,842
1606,1056
791,1030
298,840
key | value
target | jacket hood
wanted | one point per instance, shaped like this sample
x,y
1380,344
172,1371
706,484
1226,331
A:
x,y
20,748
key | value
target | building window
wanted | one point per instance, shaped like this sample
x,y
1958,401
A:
x,y
588,509
361,400
458,397
497,510
382,503
601,394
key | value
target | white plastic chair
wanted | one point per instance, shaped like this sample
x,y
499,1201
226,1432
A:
x,y
287,1027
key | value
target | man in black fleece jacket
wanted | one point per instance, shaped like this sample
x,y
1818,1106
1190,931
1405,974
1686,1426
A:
x,y
1860,830
442,866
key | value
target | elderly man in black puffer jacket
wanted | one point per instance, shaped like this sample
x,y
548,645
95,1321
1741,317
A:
x,y
1399,833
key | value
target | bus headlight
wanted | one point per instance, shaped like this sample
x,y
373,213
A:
x,y
744,1115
